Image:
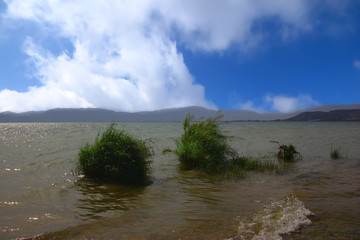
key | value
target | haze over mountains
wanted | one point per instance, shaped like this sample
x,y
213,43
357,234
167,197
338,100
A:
x,y
324,113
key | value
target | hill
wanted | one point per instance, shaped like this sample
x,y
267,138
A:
x,y
335,115
324,113
103,115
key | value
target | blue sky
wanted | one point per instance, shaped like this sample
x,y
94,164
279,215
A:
x,y
267,56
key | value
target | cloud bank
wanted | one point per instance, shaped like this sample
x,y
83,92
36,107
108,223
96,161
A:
x,y
125,53
279,103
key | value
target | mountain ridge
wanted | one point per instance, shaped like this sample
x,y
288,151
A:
x,y
172,114
334,115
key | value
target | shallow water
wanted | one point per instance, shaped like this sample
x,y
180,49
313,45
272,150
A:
x,y
318,198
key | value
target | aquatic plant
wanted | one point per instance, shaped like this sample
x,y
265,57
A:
x,y
203,146
238,167
287,152
167,150
335,153
116,155
251,164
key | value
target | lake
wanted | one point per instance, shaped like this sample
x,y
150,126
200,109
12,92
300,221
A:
x,y
315,198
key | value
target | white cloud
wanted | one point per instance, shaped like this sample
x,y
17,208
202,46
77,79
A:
x,y
125,56
40,99
279,103
249,105
286,104
357,64
218,25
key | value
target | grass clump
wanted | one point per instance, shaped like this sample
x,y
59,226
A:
x,y
116,155
250,164
240,165
203,146
287,153
335,153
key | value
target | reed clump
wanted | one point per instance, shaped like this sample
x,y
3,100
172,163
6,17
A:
x,y
118,156
287,153
335,153
203,146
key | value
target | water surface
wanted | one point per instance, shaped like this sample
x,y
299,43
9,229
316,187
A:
x,y
319,198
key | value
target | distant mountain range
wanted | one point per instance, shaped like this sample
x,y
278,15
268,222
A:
x,y
324,113
335,115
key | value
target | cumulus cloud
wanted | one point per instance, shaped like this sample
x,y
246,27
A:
x,y
125,52
286,104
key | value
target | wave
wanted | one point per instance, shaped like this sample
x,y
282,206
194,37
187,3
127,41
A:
x,y
281,216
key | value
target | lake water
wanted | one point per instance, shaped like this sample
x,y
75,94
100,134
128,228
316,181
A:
x,y
317,198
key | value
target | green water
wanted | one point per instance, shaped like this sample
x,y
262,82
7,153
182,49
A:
x,y
40,196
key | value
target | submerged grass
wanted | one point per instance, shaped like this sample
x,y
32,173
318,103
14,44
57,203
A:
x,y
204,147
167,150
240,165
116,155
250,164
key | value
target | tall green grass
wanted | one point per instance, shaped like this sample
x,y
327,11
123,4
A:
x,y
116,155
203,146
